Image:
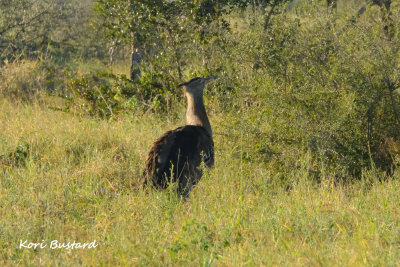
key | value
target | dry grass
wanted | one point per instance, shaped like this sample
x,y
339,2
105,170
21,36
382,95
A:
x,y
75,183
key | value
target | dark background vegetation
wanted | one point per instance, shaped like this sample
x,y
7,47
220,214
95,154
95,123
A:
x,y
301,77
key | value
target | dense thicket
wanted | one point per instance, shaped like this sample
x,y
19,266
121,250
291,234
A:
x,y
303,80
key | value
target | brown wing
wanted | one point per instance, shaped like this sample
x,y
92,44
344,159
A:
x,y
158,158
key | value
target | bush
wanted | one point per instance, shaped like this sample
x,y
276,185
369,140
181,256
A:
x,y
323,87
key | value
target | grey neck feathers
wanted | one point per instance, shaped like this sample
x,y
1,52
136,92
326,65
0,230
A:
x,y
196,112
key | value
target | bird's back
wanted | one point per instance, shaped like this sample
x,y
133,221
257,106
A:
x,y
177,155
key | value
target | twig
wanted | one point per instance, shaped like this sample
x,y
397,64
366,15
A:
x,y
105,102
270,15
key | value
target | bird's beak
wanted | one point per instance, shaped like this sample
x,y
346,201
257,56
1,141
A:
x,y
209,78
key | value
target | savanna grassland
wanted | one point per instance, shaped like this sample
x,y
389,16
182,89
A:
x,y
74,181
305,116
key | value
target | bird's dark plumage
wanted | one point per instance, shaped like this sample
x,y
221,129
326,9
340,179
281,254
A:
x,y
177,156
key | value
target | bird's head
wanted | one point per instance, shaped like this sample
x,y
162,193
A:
x,y
196,85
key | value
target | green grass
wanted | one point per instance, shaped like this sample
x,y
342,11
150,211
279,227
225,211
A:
x,y
66,177
301,114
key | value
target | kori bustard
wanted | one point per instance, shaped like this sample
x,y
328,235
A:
x,y
178,154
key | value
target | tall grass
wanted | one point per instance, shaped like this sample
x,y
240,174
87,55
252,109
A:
x,y
66,177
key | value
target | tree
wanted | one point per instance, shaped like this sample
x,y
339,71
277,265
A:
x,y
34,28
149,26
22,26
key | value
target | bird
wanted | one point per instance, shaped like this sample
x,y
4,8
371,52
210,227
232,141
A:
x,y
177,156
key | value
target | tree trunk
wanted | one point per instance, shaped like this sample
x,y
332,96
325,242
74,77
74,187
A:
x,y
332,4
135,64
135,56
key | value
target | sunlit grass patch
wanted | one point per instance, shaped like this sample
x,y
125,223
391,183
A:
x,y
77,183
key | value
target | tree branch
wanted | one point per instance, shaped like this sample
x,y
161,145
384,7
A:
x,y
271,11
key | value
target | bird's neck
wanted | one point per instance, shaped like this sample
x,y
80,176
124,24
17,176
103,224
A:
x,y
196,112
